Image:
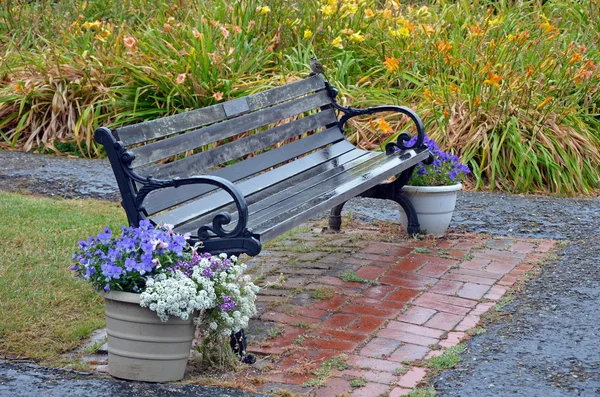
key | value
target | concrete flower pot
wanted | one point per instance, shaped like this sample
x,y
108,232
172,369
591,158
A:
x,y
140,346
434,206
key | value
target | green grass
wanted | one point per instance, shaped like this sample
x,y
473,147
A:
x,y
448,360
45,311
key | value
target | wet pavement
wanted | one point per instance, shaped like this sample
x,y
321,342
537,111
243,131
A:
x,y
547,346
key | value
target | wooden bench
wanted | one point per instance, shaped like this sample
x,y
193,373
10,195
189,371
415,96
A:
x,y
287,162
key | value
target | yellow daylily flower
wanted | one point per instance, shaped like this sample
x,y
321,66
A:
x,y
308,33
337,42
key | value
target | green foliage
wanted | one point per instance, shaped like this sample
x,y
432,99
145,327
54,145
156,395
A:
x,y
510,87
448,360
350,276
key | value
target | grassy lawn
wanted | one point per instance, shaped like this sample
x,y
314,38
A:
x,y
45,311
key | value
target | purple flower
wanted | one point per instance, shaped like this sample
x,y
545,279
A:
x,y
228,304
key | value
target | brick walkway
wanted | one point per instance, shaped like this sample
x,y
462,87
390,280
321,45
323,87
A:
x,y
423,298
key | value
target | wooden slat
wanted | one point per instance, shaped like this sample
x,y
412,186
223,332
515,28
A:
x,y
261,140
261,200
206,204
174,145
149,130
167,198
301,208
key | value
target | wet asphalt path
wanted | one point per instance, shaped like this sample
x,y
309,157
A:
x,y
549,345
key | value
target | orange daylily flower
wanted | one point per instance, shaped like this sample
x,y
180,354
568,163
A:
x,y
493,79
381,125
391,64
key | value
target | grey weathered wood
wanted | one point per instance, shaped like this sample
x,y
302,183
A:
x,y
286,208
153,129
219,199
164,199
255,142
178,144
259,200
267,189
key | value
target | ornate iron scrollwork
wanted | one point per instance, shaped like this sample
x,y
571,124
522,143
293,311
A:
x,y
403,137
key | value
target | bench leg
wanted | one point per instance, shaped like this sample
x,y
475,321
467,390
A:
x,y
335,218
413,226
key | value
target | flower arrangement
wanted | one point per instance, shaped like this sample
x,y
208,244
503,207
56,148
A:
x,y
445,169
172,277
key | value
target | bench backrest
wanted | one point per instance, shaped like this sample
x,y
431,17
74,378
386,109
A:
x,y
201,141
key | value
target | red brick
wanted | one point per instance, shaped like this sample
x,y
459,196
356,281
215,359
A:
x,y
333,387
508,280
416,315
409,352
467,245
386,304
482,308
521,269
412,263
546,246
366,324
385,378
412,378
370,390
389,259
468,323
522,247
372,311
435,269
506,256
372,363
286,318
415,329
495,293
377,248
340,335
444,321
400,251
307,312
338,320
370,272
399,391
453,339
475,264
445,244
377,292
407,280
473,291
468,279
499,267
328,344
338,282
451,300
380,347
407,337
288,378
446,287
433,353
477,273
402,295
330,304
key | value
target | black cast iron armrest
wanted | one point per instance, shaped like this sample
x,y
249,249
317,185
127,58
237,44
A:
x,y
390,147
204,233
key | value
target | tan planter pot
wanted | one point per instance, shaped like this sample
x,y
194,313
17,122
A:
x,y
140,346
434,206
